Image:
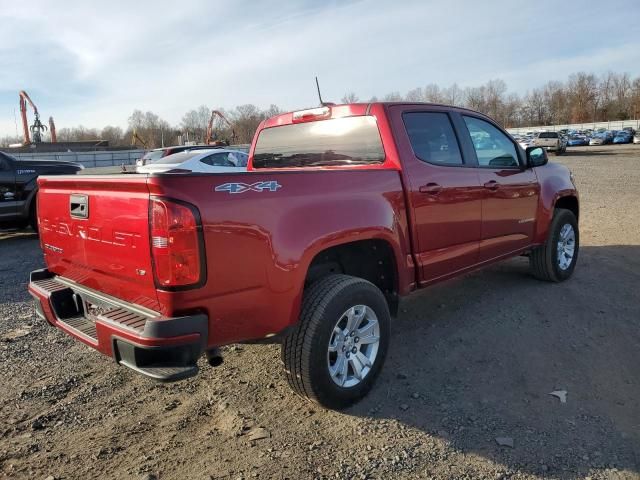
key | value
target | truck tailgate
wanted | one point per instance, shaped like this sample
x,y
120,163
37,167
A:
x,y
94,230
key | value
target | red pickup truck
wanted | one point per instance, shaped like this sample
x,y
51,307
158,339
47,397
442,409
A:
x,y
343,210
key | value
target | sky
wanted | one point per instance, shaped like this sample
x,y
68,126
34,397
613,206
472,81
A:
x,y
93,66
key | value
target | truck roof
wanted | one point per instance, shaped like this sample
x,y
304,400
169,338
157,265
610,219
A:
x,y
350,109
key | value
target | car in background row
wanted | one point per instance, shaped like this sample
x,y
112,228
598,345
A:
x,y
623,136
601,138
551,141
199,160
636,138
577,141
158,153
525,142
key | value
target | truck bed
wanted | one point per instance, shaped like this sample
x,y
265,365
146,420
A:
x,y
261,231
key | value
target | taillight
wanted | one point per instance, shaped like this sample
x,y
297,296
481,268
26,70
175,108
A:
x,y
176,245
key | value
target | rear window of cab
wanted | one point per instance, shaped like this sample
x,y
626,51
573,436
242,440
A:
x,y
326,143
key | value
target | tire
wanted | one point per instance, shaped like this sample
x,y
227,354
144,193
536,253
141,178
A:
x,y
305,351
545,261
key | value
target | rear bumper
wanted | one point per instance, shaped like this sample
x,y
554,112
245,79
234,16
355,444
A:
x,y
161,348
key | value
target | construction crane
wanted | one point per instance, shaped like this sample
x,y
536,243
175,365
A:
x,y
209,136
37,128
52,131
135,137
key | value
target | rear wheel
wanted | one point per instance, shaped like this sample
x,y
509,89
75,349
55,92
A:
x,y
556,259
336,351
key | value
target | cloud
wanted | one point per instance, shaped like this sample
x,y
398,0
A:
x,y
92,66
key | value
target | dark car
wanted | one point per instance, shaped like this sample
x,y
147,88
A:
x,y
18,186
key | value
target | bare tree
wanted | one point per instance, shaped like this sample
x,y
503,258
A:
x,y
452,95
433,94
113,135
350,97
393,97
415,95
583,89
245,119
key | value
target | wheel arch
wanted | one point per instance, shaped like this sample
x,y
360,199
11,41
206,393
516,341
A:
x,y
374,258
568,202
31,190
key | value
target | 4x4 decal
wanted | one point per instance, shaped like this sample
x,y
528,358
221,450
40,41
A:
x,y
271,186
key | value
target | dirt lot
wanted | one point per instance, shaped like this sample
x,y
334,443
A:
x,y
470,360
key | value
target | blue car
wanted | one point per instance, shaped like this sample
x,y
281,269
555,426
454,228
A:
x,y
622,137
577,141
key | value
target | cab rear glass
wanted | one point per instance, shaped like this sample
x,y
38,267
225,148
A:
x,y
326,143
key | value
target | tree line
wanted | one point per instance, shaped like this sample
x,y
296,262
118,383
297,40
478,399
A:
x,y
582,98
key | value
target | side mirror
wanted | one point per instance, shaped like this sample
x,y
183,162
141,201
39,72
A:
x,y
536,157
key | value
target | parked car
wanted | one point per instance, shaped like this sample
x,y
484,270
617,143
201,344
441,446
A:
x,y
551,141
158,153
622,137
18,186
203,161
598,139
525,142
343,211
636,137
578,141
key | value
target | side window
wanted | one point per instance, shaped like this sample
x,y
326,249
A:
x,y
493,148
217,160
432,137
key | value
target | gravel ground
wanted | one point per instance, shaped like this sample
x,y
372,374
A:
x,y
471,360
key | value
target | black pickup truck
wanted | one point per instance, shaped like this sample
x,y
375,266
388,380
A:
x,y
18,186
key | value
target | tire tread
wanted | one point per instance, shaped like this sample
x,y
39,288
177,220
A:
x,y
296,347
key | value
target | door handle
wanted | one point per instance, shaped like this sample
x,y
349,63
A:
x,y
492,185
431,188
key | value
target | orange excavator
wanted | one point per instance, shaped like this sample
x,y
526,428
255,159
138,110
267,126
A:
x,y
209,136
38,127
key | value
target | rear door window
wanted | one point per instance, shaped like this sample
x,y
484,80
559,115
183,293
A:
x,y
334,142
432,137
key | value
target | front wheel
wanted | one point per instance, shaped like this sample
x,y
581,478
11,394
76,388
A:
x,y
337,349
556,259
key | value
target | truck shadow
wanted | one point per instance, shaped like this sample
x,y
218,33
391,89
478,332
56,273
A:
x,y
596,152
475,358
